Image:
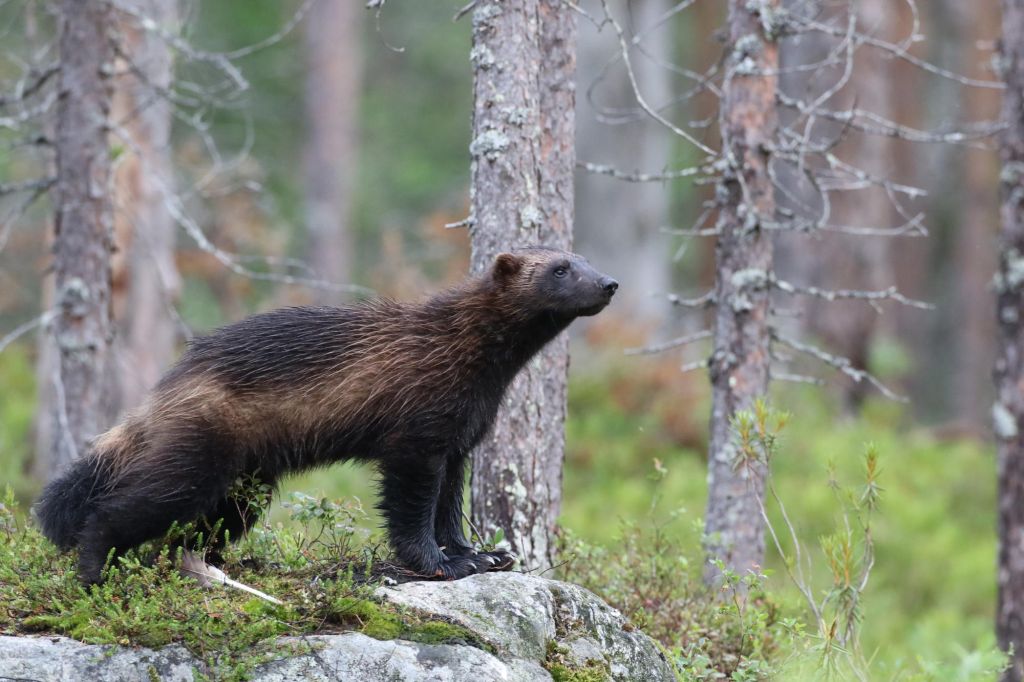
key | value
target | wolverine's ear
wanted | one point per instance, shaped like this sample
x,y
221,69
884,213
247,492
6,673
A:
x,y
506,265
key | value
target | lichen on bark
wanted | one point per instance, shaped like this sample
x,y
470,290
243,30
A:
x,y
522,194
743,254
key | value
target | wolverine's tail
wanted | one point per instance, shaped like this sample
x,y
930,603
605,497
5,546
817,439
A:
x,y
67,501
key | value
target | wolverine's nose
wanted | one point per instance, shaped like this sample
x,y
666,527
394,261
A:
x,y
608,284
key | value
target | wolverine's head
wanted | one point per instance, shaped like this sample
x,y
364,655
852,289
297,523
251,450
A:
x,y
551,281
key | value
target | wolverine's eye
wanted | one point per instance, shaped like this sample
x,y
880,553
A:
x,y
561,271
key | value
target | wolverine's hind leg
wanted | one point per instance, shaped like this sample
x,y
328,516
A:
x,y
231,519
95,542
122,522
181,486
125,521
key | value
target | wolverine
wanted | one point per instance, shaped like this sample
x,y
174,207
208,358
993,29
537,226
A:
x,y
410,387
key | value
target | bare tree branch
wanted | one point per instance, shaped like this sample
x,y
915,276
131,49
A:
x,y
871,297
677,342
611,171
842,364
26,327
24,89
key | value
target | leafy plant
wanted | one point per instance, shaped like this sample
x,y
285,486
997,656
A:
x,y
655,579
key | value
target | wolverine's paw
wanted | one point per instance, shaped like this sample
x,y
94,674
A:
x,y
458,567
502,560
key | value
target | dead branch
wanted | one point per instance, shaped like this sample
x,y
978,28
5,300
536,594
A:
x,y
677,342
611,171
871,297
26,327
24,89
701,302
844,365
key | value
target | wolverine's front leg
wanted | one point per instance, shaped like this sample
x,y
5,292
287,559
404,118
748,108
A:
x,y
448,521
410,489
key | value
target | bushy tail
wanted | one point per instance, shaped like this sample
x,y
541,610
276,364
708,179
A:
x,y
68,500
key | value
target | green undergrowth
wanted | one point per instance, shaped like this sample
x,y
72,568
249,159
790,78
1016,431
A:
x,y
926,611
319,568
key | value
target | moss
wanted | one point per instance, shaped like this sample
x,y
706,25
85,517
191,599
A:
x,y
439,632
442,632
373,619
386,622
592,672
145,602
563,669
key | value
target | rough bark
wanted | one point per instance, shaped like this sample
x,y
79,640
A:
x,y
333,58
83,240
740,362
1008,411
522,193
144,273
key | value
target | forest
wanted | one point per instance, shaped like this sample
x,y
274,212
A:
x,y
792,445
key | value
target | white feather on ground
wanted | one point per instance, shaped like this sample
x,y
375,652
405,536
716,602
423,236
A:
x,y
207,576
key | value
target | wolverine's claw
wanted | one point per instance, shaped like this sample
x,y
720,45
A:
x,y
458,567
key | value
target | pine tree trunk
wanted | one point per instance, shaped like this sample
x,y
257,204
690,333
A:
x,y
739,365
1008,411
522,193
145,276
333,56
83,242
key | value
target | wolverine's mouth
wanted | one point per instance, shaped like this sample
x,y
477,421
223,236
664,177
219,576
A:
x,y
595,309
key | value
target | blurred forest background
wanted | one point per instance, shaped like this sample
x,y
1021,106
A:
x,y
347,150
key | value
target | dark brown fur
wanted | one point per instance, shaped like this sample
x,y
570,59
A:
x,y
410,387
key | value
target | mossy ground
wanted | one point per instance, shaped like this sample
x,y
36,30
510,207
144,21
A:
x,y
145,602
562,669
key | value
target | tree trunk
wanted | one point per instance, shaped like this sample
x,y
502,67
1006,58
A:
x,y
83,241
145,277
739,366
1008,411
332,95
521,194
